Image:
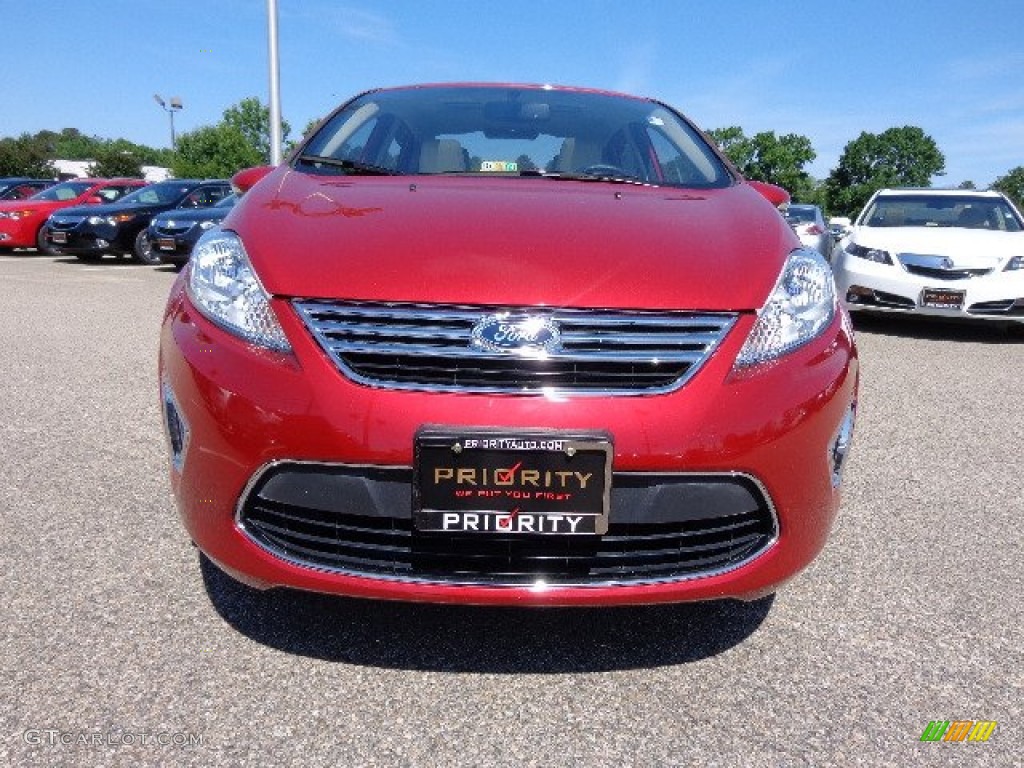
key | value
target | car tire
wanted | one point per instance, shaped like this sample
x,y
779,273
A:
x,y
143,251
41,245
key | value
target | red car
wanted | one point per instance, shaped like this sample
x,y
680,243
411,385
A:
x,y
21,222
500,344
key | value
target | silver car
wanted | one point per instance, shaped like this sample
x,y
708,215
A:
x,y
809,224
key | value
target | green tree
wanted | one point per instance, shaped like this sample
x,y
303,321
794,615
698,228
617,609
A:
x,y
26,155
897,157
1012,185
252,119
214,151
734,144
113,162
767,157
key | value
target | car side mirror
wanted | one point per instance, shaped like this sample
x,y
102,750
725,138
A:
x,y
774,194
246,179
94,200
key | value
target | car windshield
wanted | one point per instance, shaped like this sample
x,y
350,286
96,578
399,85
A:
x,y
513,132
964,211
158,194
795,215
69,190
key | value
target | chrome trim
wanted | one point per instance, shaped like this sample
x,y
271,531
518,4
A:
x,y
258,475
940,267
411,331
168,399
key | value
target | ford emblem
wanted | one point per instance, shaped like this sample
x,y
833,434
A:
x,y
523,334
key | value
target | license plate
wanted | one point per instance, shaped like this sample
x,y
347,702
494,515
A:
x,y
165,244
491,482
59,237
942,298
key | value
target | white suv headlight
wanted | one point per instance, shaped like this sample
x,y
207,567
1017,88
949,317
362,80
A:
x,y
224,287
800,307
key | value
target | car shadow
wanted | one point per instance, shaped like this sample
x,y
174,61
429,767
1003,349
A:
x,y
107,260
446,638
940,329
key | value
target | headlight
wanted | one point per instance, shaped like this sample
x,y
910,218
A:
x,y
871,254
224,287
14,214
95,220
800,307
1017,262
207,224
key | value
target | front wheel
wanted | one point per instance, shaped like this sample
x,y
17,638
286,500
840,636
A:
x,y
42,246
143,250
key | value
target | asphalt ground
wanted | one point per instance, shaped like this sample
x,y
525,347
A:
x,y
120,647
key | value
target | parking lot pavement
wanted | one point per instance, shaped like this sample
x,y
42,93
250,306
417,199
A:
x,y
120,647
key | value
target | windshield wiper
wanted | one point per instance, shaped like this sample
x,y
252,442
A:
x,y
576,176
351,166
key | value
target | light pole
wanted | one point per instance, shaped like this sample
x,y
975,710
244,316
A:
x,y
275,84
170,108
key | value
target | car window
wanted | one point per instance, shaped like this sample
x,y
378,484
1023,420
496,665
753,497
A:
x,y
963,212
69,190
513,131
204,197
21,192
796,215
158,194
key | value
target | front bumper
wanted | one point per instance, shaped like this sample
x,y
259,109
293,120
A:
x,y
762,442
173,248
19,233
870,286
88,239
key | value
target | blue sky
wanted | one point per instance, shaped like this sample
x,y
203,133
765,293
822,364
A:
x,y
955,69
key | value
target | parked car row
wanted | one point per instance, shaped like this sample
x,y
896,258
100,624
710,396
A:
x,y
22,223
89,218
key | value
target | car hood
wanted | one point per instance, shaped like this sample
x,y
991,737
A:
x,y
512,241
968,248
193,214
109,209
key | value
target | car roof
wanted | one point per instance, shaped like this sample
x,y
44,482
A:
x,y
523,86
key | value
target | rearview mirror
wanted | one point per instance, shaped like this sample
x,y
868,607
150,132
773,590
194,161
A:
x,y
773,194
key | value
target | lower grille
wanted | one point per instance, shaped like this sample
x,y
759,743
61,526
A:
x,y
879,299
1008,307
732,523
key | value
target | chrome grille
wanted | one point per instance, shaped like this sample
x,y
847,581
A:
x,y
171,230
430,347
945,274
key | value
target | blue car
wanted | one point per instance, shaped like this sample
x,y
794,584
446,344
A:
x,y
173,234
